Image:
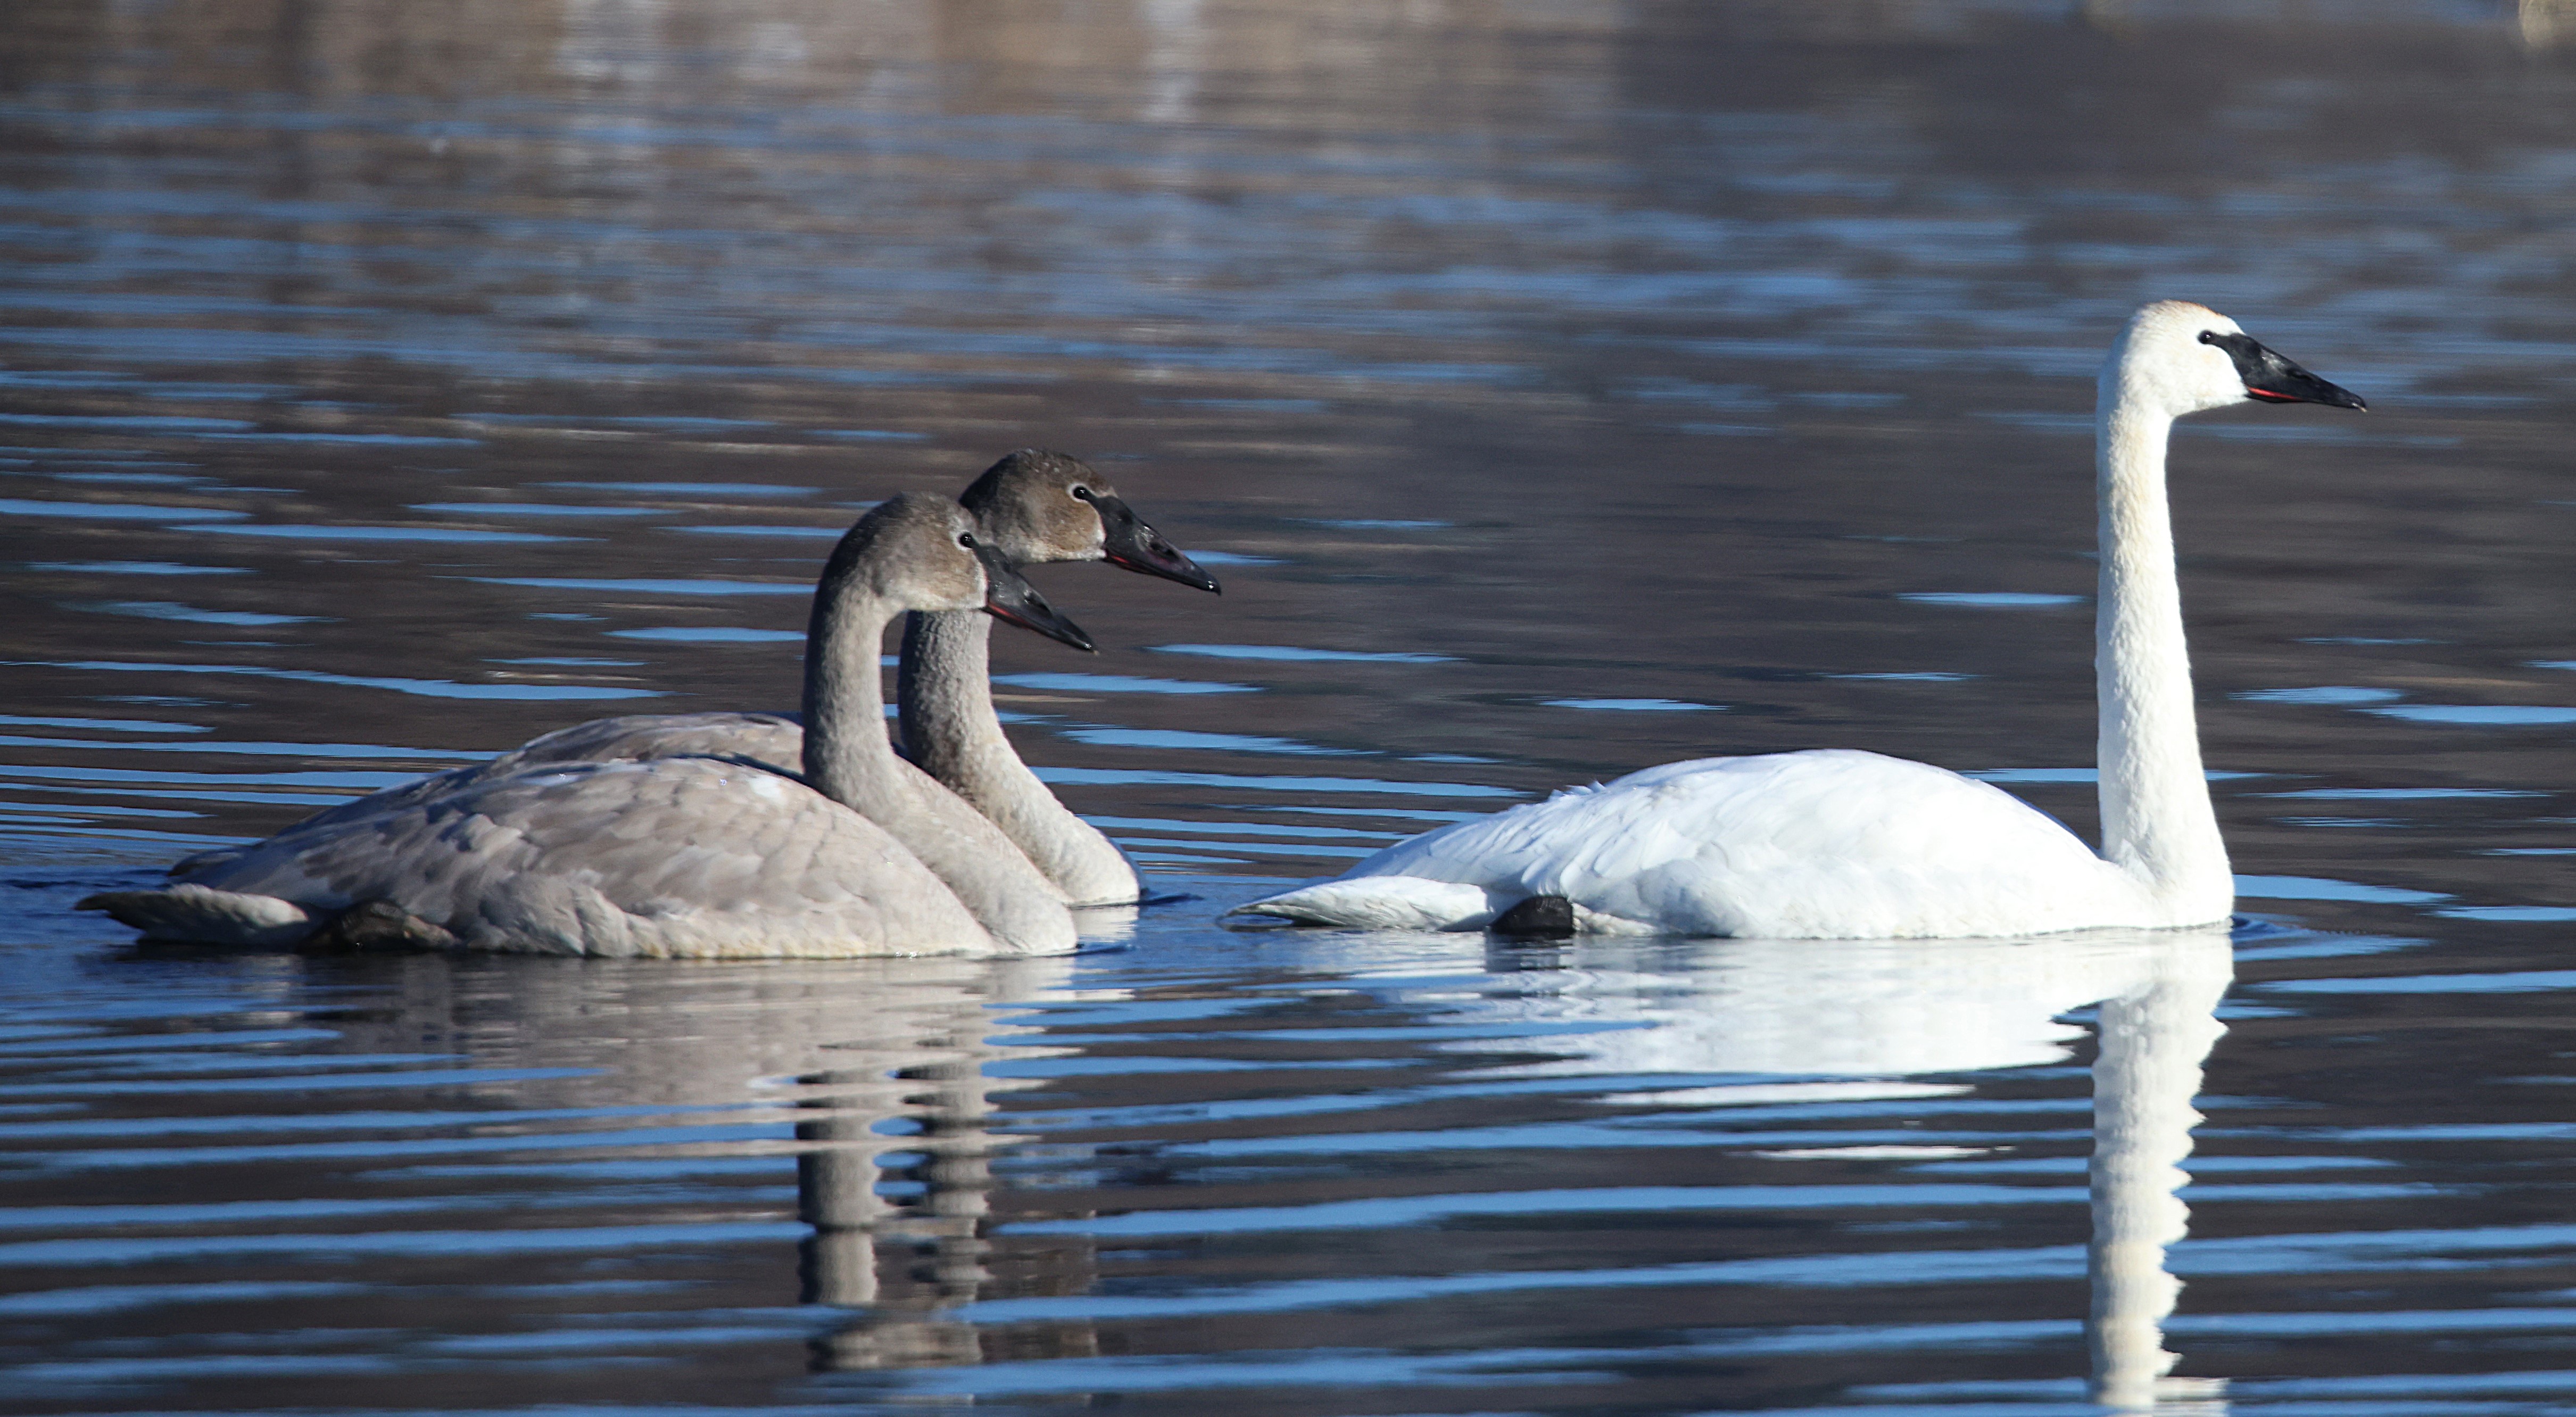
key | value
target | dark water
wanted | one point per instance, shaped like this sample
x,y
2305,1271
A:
x,y
1561,389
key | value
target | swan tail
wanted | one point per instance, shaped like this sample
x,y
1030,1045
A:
x,y
1380,903
202,915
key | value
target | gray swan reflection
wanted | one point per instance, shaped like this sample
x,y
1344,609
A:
x,y
882,1066
903,1265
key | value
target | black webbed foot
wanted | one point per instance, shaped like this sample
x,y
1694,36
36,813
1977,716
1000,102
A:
x,y
377,927
1541,917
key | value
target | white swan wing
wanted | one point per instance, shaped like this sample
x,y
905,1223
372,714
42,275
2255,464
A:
x,y
1825,844
673,857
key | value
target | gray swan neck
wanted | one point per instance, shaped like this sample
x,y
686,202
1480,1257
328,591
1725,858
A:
x,y
952,732
950,727
847,756
849,759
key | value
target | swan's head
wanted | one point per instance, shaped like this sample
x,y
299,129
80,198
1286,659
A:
x,y
2180,358
1039,506
924,552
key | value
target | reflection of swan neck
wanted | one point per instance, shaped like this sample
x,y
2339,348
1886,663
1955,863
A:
x,y
2149,1069
2157,823
837,1174
837,1195
903,1265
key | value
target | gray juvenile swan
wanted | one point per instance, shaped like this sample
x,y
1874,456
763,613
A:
x,y
684,857
1036,506
1033,507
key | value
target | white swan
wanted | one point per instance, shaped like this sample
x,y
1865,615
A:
x,y
1035,506
1829,844
698,857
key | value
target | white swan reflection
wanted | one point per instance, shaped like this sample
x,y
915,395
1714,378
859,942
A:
x,y
1869,1018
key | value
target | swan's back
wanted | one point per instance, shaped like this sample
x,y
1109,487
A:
x,y
1831,843
770,740
670,858
775,741
964,855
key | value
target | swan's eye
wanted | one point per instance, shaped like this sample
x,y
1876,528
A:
x,y
1081,493
966,540
2209,337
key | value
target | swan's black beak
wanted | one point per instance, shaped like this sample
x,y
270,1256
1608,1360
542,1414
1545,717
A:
x,y
2272,379
1012,600
1128,543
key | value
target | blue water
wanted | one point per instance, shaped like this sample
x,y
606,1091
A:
x,y
1560,389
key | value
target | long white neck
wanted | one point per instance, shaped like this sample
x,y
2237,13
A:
x,y
952,732
2157,822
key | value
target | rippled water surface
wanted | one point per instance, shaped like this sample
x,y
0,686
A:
x,y
1559,388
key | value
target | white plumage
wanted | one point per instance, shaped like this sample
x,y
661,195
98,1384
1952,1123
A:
x,y
1838,844
1793,845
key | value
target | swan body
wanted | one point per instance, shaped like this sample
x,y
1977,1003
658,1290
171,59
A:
x,y
775,742
683,856
1033,507
677,858
1827,843
769,738
1839,844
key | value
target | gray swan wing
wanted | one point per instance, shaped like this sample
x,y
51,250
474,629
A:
x,y
670,857
774,741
